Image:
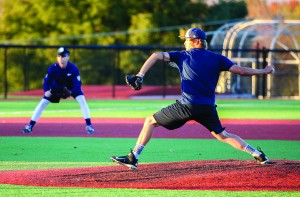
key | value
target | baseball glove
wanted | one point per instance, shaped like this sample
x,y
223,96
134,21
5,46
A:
x,y
65,93
62,93
135,82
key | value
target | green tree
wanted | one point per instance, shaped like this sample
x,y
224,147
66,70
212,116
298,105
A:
x,y
85,22
99,22
226,10
60,21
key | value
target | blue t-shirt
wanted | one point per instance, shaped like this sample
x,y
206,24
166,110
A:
x,y
199,72
58,78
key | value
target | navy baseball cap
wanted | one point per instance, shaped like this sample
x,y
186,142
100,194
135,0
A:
x,y
63,51
195,33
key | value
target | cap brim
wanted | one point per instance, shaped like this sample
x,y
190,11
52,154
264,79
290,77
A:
x,y
182,37
64,54
188,37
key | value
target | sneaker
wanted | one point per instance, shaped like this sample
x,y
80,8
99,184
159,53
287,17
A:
x,y
27,129
90,129
262,158
129,160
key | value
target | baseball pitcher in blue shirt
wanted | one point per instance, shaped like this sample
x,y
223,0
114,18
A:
x,y
199,71
61,81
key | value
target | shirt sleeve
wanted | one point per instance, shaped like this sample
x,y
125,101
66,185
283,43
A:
x,y
76,80
226,63
174,56
48,79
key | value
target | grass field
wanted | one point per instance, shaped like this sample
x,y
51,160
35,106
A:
x,y
234,109
20,153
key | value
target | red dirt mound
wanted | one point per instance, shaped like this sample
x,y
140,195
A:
x,y
230,175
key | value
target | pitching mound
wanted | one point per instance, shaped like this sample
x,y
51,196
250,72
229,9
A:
x,y
192,175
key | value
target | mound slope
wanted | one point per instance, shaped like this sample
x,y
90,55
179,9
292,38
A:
x,y
230,175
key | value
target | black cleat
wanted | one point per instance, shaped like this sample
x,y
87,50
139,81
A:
x,y
27,129
90,129
262,158
129,160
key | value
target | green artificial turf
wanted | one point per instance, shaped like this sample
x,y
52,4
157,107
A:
x,y
20,191
59,152
234,109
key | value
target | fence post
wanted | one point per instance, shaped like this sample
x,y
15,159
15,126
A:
x,y
25,72
257,85
264,77
115,69
164,79
5,74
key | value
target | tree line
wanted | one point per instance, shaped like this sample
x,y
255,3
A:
x,y
85,22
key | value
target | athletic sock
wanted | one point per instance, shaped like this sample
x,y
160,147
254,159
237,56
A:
x,y
138,150
32,123
249,149
88,121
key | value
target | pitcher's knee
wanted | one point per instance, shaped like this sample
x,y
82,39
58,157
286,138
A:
x,y
221,136
150,120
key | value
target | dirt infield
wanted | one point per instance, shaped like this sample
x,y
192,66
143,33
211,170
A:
x,y
228,175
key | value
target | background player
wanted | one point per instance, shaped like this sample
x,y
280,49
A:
x,y
61,81
199,72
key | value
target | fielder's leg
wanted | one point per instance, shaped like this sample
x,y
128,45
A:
x,y
85,110
36,115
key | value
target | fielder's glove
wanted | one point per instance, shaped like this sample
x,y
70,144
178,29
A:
x,y
61,93
135,82
66,93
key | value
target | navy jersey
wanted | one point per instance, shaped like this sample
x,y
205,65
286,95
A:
x,y
199,72
58,78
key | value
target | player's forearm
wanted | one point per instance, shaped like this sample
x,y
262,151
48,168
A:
x,y
76,84
245,71
147,65
250,71
151,61
48,80
46,86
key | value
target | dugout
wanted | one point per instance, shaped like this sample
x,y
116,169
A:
x,y
275,42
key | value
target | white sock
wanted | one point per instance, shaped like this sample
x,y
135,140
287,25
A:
x,y
138,150
249,149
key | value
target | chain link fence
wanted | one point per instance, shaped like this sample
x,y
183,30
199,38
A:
x,y
24,67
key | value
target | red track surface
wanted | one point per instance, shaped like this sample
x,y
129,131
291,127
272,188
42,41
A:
x,y
129,128
121,91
